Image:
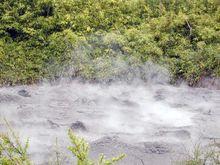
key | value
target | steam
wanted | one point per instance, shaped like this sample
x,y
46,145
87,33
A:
x,y
114,64
136,112
137,104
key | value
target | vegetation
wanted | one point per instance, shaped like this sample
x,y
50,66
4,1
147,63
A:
x,y
81,150
12,152
201,156
11,149
41,38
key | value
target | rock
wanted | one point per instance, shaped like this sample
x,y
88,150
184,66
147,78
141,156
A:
x,y
24,93
107,140
84,101
78,125
208,113
156,148
53,124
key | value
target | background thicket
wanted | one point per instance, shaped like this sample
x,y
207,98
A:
x,y
41,38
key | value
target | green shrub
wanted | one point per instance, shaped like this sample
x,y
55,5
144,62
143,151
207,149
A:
x,y
81,150
12,152
37,36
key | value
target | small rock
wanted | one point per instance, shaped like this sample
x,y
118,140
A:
x,y
156,148
53,124
209,112
24,93
78,125
84,101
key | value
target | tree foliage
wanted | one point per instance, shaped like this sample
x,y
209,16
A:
x,y
38,36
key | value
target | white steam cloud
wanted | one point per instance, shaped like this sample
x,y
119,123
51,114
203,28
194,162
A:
x,y
137,105
135,112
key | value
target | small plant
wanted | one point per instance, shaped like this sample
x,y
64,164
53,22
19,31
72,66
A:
x,y
200,156
11,150
80,149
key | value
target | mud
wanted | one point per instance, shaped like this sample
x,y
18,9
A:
x,y
151,124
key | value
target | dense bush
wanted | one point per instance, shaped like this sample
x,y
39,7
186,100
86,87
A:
x,y
39,38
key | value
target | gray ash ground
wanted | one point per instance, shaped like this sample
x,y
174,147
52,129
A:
x,y
151,124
